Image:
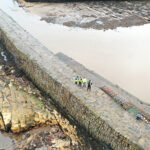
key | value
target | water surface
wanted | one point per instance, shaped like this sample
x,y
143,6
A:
x,y
121,55
6,142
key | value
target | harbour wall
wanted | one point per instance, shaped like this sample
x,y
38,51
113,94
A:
x,y
49,73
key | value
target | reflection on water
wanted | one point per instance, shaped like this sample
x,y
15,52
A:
x,y
121,55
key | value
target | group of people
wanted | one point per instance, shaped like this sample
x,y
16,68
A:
x,y
82,82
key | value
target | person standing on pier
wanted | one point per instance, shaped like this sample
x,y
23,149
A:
x,y
76,80
89,85
84,82
80,81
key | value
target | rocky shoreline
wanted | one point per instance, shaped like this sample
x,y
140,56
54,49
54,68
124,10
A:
x,y
22,108
100,15
26,122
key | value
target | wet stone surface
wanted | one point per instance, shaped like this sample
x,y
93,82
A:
x,y
26,122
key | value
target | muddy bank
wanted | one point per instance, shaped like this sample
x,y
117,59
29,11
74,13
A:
x,y
97,15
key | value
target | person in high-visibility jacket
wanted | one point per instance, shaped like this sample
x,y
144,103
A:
x,y
76,80
84,82
80,81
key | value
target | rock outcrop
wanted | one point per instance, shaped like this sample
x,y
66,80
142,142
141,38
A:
x,y
20,108
2,126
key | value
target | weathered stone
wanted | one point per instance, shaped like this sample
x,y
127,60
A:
x,y
2,125
20,110
142,141
6,113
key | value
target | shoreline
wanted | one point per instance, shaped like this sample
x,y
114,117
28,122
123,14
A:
x,y
97,15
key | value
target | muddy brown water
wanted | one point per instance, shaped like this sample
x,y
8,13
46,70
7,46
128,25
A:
x,y
121,55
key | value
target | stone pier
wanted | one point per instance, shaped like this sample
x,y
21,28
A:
x,y
96,112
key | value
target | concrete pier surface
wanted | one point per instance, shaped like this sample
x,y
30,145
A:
x,y
95,111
